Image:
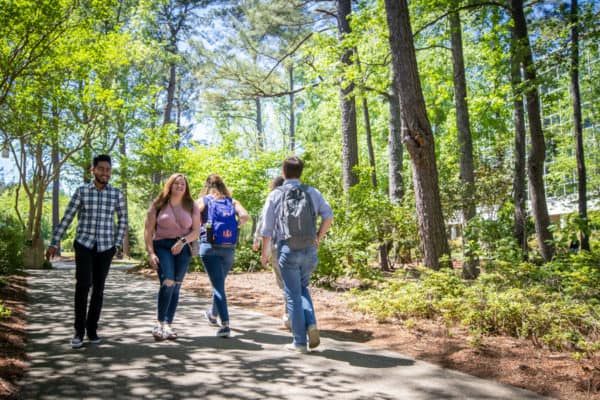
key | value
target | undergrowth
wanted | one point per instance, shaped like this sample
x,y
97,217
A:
x,y
554,304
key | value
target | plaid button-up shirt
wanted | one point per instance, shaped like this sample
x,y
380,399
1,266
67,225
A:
x,y
95,210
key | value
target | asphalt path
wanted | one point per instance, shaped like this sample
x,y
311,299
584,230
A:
x,y
252,364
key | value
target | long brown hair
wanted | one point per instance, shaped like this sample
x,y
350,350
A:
x,y
165,195
214,183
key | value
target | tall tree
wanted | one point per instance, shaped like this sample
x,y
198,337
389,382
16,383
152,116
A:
x,y
418,136
395,148
347,102
537,155
520,146
465,140
579,154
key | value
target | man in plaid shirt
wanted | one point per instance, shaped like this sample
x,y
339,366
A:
x,y
95,205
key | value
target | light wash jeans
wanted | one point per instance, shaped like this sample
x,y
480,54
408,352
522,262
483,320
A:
x,y
296,267
173,268
217,262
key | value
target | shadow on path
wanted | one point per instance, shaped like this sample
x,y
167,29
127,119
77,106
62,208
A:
x,y
250,365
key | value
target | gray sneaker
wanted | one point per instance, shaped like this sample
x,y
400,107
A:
x,y
212,321
76,342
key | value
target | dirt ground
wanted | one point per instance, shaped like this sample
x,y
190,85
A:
x,y
503,359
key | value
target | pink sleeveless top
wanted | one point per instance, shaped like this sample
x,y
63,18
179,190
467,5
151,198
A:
x,y
172,222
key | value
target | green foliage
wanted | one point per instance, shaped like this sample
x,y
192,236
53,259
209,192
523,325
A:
x,y
12,241
554,305
246,259
4,312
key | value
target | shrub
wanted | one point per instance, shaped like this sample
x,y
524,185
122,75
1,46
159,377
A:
x,y
12,241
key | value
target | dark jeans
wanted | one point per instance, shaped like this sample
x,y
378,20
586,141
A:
x,y
91,270
171,268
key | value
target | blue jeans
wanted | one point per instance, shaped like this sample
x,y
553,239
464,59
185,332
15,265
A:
x,y
217,262
296,267
170,268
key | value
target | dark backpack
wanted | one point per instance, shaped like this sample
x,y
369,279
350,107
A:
x,y
221,223
297,217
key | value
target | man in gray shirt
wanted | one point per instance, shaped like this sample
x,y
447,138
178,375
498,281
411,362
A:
x,y
296,264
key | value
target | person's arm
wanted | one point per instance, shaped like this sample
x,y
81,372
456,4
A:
x,y
149,228
267,230
241,212
66,220
257,238
323,229
122,218
324,210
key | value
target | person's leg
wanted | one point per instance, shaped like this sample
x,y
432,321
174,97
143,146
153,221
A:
x,y
289,262
166,276
212,261
279,280
83,281
182,262
100,268
227,262
309,263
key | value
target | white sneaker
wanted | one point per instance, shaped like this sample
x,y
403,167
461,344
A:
x,y
296,348
285,320
157,332
169,333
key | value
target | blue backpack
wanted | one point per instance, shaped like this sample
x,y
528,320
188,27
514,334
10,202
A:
x,y
221,223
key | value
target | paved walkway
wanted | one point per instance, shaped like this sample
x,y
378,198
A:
x,y
250,365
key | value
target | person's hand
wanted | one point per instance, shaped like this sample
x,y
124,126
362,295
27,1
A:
x,y
255,246
264,259
50,253
177,247
154,261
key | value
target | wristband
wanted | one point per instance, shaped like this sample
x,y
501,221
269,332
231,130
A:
x,y
183,240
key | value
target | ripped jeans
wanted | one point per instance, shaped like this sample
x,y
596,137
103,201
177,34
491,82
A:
x,y
171,271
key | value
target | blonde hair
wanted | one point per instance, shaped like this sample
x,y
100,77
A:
x,y
214,183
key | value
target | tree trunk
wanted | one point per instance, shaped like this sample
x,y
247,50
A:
x,y
365,108
581,172
259,128
535,163
347,105
292,112
519,181
124,179
465,141
55,192
395,149
418,136
170,91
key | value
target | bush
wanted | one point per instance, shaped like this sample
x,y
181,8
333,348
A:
x,y
553,304
12,241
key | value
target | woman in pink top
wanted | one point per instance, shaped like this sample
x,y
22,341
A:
x,y
172,224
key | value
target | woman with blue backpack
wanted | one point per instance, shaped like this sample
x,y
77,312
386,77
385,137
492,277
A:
x,y
221,218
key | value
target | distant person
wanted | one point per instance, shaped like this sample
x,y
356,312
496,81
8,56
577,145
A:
x,y
290,219
172,225
221,217
574,246
96,242
275,183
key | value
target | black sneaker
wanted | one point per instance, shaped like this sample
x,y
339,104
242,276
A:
x,y
94,339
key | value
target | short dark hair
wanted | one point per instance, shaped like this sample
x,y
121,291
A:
x,y
292,167
101,157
